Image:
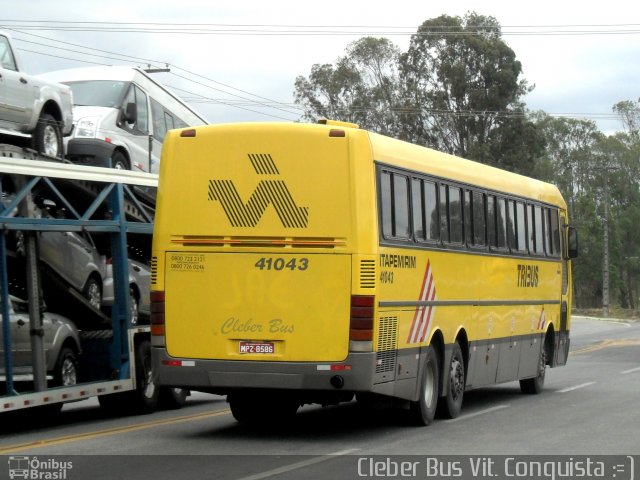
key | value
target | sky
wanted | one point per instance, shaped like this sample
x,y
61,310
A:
x,y
238,60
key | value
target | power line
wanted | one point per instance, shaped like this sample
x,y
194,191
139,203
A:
x,y
264,101
110,56
320,30
72,51
133,59
198,98
228,93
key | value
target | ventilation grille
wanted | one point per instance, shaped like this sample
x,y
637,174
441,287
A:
x,y
154,270
387,345
367,274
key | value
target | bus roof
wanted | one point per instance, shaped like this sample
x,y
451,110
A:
x,y
422,159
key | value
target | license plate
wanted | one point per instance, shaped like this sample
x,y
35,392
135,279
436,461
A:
x,y
256,347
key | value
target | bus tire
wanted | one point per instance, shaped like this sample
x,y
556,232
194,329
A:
x,y
454,377
423,411
533,386
147,392
262,409
172,398
242,409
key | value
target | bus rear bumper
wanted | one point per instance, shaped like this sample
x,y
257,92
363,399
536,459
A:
x,y
354,374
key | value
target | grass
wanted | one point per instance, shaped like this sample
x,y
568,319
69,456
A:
x,y
614,313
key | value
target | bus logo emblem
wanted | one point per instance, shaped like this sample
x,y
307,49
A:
x,y
270,191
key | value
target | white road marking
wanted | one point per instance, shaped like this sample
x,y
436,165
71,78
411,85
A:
x,y
480,412
575,387
631,370
295,466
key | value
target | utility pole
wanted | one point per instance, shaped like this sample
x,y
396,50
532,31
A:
x,y
605,256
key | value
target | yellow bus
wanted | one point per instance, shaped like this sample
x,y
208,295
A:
x,y
315,263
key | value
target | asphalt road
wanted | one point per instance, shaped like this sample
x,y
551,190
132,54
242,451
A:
x,y
589,407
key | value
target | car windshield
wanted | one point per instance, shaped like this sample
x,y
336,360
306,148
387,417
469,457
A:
x,y
15,304
99,93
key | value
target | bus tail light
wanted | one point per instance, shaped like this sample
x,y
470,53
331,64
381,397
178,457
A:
x,y
157,318
361,323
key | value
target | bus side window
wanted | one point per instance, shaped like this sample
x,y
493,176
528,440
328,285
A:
x,y
539,231
511,225
531,237
395,205
432,231
444,214
555,233
546,225
502,222
479,221
450,214
417,208
521,232
468,224
385,204
455,215
492,236
401,206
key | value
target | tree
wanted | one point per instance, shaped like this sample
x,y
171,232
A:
x,y
463,83
456,89
630,113
360,88
571,162
597,174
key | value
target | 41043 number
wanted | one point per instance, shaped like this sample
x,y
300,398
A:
x,y
279,263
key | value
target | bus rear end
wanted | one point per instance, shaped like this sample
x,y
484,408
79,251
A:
x,y
256,287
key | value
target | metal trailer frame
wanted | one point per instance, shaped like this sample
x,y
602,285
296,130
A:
x,y
113,189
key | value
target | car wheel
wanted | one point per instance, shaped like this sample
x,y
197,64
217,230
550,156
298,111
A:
x,y
93,293
147,392
119,161
144,399
47,137
134,305
65,372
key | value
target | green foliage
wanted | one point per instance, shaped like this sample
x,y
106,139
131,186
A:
x,y
592,170
458,89
463,82
361,87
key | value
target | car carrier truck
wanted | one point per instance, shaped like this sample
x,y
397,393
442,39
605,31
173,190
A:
x,y
56,346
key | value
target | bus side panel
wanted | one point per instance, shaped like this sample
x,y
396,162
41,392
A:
x,y
503,312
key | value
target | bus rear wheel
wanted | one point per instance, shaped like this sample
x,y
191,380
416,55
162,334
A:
x,y
423,411
261,409
451,404
533,386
